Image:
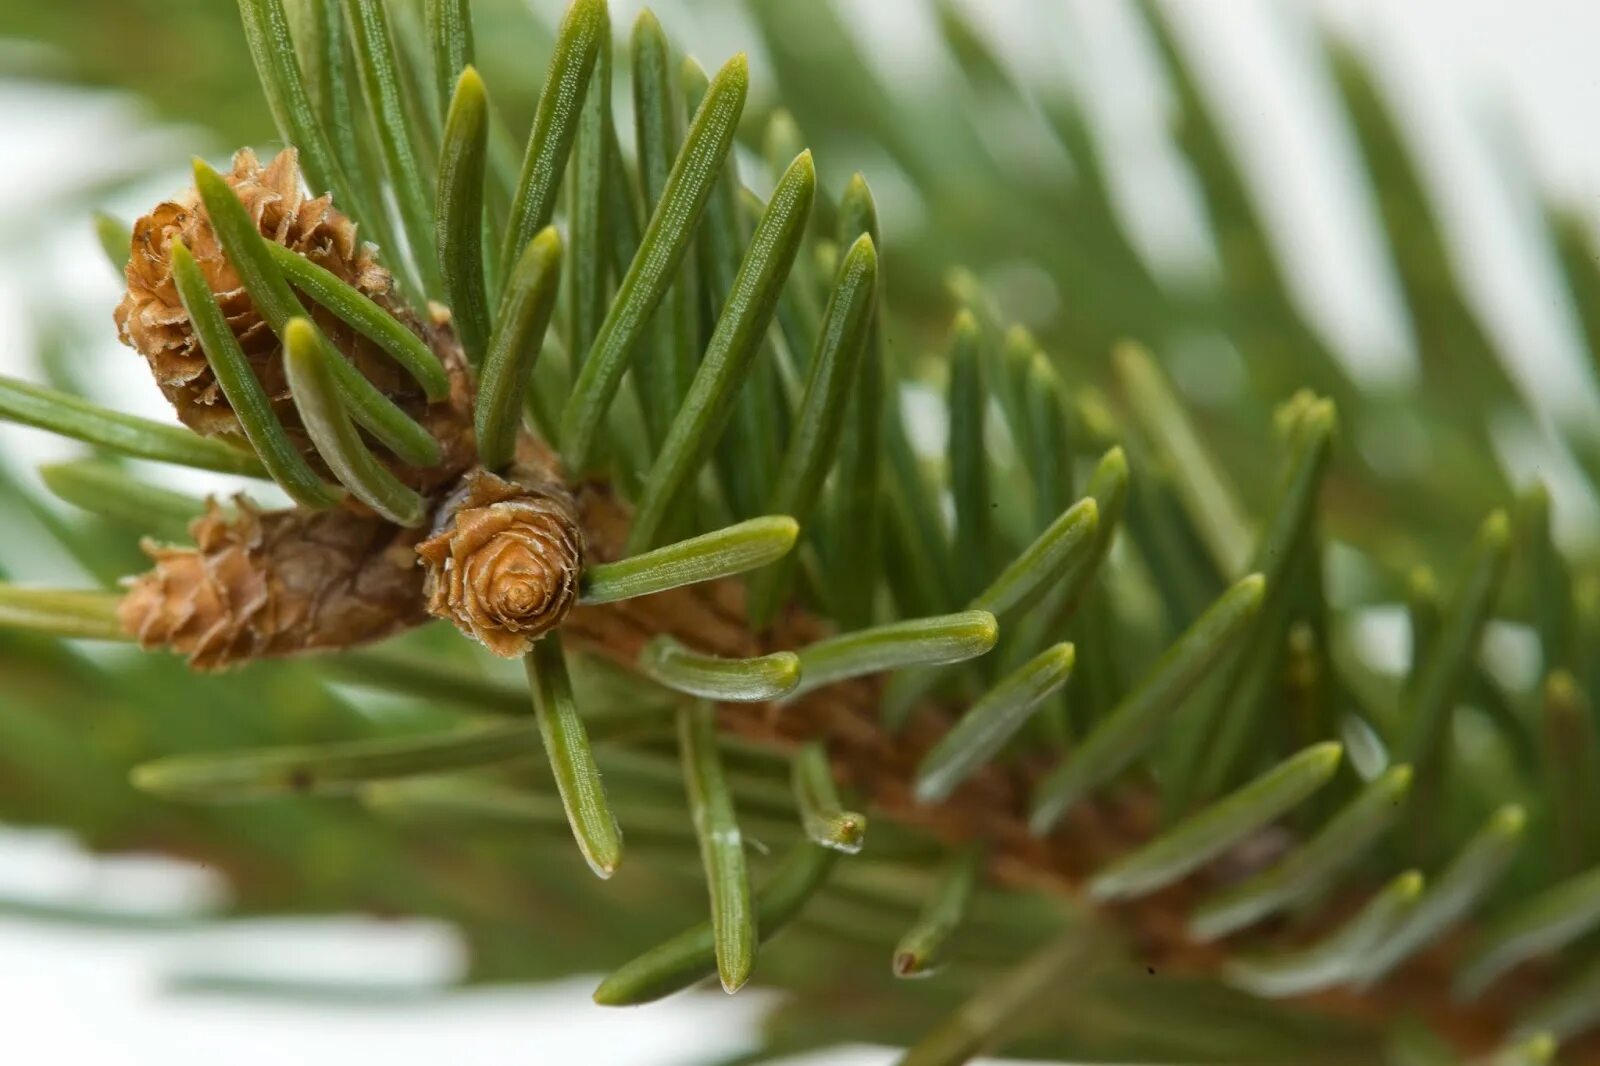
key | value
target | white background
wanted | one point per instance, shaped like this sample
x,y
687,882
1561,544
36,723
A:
x,y
1473,77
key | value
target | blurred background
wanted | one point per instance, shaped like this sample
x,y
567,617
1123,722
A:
x,y
111,944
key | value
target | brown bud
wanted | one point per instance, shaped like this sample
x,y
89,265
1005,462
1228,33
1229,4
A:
x,y
504,561
265,584
151,319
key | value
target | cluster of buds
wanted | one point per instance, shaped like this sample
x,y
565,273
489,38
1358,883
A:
x,y
504,556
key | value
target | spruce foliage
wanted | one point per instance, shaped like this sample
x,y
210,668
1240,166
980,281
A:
x,y
1134,792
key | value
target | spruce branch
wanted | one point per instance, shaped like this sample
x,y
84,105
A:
x,y
619,408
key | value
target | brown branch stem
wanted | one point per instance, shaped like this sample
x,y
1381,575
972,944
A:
x,y
992,805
